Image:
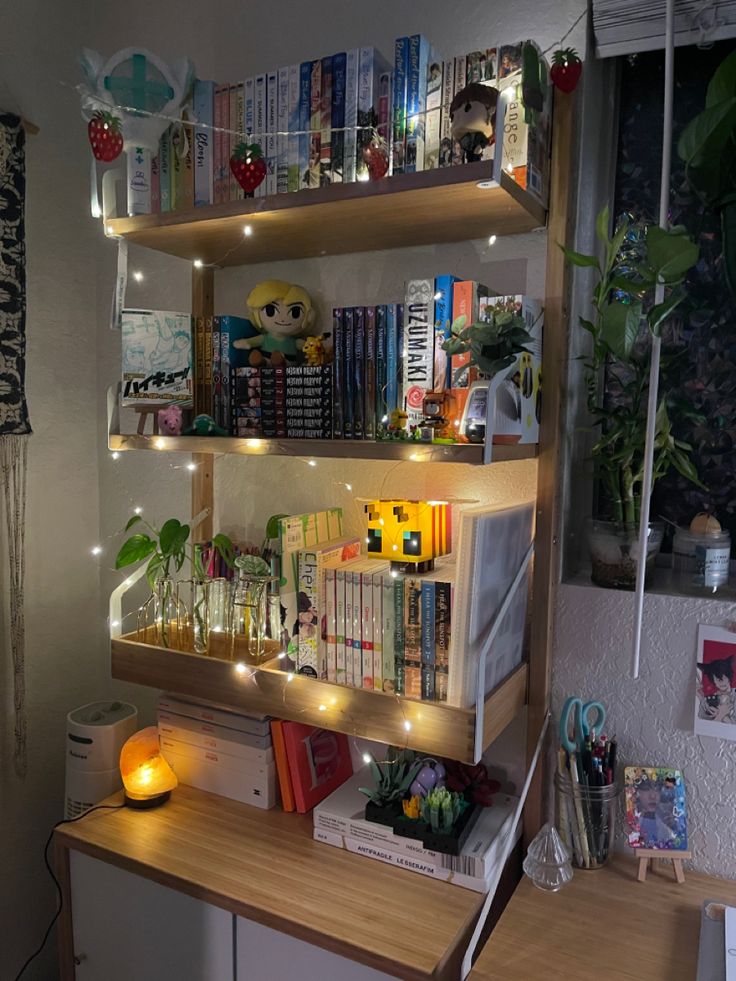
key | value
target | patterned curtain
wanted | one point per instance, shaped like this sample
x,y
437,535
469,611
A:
x,y
15,426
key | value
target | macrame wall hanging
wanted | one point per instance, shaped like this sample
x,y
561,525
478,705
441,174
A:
x,y
15,426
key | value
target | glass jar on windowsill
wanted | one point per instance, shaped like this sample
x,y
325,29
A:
x,y
613,552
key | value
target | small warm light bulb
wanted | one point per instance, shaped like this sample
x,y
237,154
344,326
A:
x,y
96,210
348,487
108,229
384,419
364,177
438,295
253,443
413,456
280,655
138,276
290,676
159,444
138,509
115,455
191,466
367,541
323,708
248,231
394,574
97,550
395,548
127,582
381,522
145,774
492,239
240,668
509,168
115,623
198,263
407,725
312,463
366,758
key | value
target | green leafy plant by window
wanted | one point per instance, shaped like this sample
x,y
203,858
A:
x,y
623,304
494,344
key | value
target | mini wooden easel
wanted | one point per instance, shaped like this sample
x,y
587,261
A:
x,y
143,414
645,855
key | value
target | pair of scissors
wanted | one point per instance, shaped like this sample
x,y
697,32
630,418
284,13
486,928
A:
x,y
576,717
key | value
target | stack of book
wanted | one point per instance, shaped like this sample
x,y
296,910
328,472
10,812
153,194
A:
x,y
220,751
289,401
311,763
339,821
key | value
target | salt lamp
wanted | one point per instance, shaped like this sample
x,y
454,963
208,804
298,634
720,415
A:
x,y
147,777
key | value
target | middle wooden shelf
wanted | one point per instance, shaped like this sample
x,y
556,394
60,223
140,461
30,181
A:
x,y
427,726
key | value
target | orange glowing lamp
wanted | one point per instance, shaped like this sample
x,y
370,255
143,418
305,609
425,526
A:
x,y
147,777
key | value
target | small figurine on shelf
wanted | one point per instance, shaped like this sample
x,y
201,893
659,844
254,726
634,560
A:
x,y
170,420
283,314
437,409
472,115
314,350
204,425
410,534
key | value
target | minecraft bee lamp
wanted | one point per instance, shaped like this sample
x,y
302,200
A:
x,y
147,777
410,534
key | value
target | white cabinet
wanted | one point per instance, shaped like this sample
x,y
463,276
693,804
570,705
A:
x,y
263,954
127,928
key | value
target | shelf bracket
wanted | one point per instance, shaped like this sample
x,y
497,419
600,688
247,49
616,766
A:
x,y
480,693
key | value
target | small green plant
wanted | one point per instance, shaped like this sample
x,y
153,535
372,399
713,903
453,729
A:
x,y
441,808
622,304
166,549
494,343
393,777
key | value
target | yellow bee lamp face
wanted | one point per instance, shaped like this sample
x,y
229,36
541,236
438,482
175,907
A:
x,y
410,534
147,777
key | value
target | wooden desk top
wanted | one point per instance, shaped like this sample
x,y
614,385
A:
x,y
264,865
604,925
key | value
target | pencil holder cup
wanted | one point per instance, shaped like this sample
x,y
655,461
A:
x,y
586,817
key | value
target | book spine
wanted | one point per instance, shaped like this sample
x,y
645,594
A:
x,y
272,103
465,303
260,126
294,125
357,632
315,123
325,115
433,109
413,638
398,133
208,393
369,381
418,354
155,184
459,82
385,94
164,158
399,663
231,141
245,401
392,359
330,625
351,113
204,95
367,118
220,166
381,406
377,625
366,643
225,348
358,373
198,365
515,136
249,108
282,141
416,98
337,153
340,623
307,661
428,640
216,372
338,352
305,89
349,679
442,636
388,633
443,317
448,91
349,380
238,132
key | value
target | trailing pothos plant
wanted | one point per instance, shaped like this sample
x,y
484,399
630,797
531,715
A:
x,y
624,305
494,343
166,549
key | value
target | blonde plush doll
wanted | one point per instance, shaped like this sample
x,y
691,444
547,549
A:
x,y
283,314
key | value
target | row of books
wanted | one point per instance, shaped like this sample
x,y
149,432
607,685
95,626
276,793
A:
x,y
282,402
313,119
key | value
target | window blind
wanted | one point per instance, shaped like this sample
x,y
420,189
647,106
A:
x,y
622,27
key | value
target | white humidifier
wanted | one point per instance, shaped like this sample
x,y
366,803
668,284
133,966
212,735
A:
x,y
95,734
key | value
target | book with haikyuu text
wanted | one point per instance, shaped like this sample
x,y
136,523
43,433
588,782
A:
x,y
156,358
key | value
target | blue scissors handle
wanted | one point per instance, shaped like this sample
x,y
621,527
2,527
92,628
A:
x,y
576,722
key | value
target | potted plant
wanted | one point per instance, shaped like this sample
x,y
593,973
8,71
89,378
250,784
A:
x,y
617,380
441,819
391,782
166,551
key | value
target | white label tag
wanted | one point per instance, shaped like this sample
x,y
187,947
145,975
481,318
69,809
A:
x,y
715,565
121,285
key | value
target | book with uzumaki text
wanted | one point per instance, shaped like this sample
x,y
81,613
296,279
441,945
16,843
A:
x,y
156,358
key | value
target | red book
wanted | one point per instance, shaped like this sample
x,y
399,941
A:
x,y
282,765
319,761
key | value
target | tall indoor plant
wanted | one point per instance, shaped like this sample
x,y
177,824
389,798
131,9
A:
x,y
624,315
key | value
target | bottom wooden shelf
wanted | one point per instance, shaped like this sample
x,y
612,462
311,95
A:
x,y
430,727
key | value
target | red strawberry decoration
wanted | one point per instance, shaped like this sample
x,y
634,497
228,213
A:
x,y
375,155
566,69
105,137
248,166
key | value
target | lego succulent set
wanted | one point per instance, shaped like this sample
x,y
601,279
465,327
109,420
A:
x,y
433,801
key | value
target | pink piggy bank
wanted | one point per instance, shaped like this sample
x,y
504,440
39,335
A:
x,y
170,420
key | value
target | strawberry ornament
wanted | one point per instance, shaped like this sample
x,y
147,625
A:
x,y
105,136
248,166
375,155
566,69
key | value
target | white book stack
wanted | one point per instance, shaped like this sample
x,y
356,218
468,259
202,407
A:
x,y
219,751
339,821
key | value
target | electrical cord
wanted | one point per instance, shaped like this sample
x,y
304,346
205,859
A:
x,y
60,896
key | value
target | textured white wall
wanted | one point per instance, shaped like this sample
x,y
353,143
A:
x,y
652,717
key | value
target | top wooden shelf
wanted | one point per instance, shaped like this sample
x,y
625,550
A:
x,y
433,206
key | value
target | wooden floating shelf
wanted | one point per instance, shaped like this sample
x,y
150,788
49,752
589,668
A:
x,y
435,727
434,206
325,448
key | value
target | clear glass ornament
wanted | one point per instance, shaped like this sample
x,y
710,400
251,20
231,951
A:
x,y
548,862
